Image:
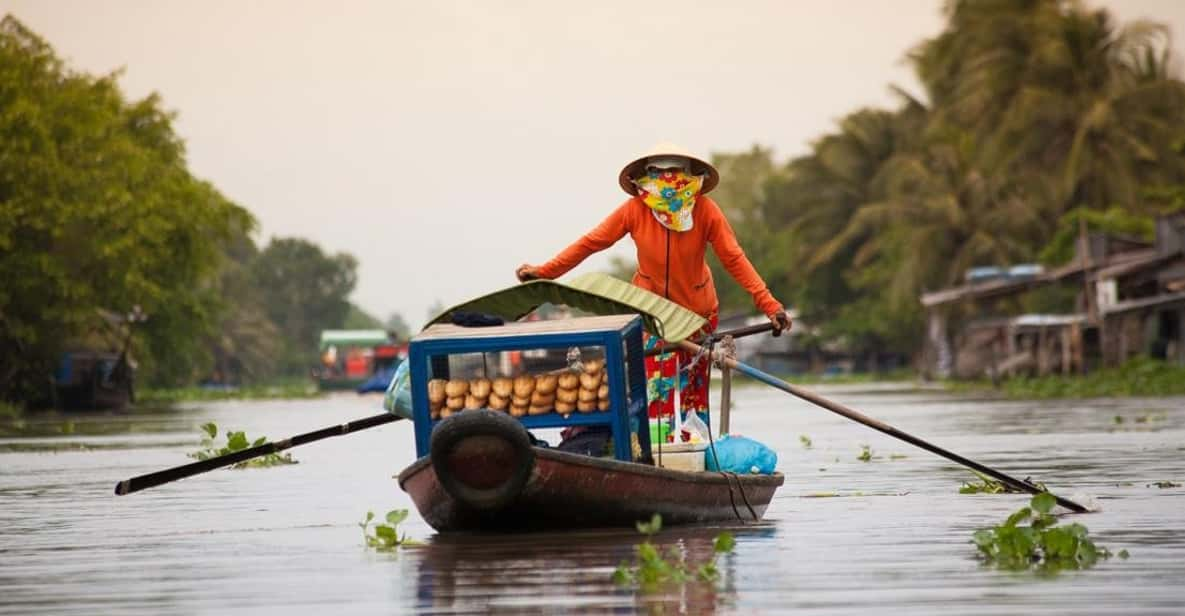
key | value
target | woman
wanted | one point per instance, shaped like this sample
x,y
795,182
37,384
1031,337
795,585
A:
x,y
672,221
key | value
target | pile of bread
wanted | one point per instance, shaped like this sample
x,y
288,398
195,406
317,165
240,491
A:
x,y
585,390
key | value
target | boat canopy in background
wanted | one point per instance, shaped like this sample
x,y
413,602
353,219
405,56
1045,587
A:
x,y
353,337
598,294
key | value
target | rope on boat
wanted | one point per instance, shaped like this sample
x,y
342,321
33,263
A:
x,y
728,350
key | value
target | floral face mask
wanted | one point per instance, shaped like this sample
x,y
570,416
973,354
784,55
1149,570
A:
x,y
670,194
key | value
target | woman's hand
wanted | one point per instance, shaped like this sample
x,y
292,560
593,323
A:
x,y
781,322
526,272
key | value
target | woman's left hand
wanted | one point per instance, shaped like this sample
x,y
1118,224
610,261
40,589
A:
x,y
781,322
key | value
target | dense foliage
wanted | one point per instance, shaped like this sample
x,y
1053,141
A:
x,y
99,214
97,210
1139,376
1036,114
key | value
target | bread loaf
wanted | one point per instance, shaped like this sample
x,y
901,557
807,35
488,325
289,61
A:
x,y
503,386
568,380
524,386
546,383
480,387
436,393
456,388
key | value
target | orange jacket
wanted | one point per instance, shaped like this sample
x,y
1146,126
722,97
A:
x,y
672,263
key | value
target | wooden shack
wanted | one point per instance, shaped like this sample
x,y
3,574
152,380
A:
x,y
1128,298
1141,303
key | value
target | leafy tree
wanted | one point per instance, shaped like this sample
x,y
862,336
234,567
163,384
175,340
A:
x,y
97,210
1039,113
1059,96
357,318
741,194
304,291
246,345
398,326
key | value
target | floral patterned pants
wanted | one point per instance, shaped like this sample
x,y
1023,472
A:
x,y
661,371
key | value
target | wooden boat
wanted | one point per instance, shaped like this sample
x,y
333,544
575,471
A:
x,y
93,380
564,490
98,373
480,470
351,357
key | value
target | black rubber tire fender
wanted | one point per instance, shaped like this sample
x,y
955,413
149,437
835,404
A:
x,y
452,430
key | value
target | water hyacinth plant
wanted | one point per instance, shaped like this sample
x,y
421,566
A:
x,y
651,570
987,485
386,537
1041,545
236,441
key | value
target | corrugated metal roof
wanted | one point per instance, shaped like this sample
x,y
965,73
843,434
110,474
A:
x,y
352,337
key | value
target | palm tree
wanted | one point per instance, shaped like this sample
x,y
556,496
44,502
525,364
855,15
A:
x,y
1051,86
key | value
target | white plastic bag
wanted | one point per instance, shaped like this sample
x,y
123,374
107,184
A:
x,y
694,429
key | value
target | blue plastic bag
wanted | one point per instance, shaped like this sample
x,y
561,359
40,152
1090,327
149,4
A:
x,y
397,399
737,454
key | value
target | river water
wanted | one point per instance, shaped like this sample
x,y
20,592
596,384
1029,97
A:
x,y
843,536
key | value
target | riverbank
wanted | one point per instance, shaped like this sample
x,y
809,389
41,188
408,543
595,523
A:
x,y
282,390
1138,377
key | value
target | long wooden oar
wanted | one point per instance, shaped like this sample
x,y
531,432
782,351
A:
x,y
135,484
856,416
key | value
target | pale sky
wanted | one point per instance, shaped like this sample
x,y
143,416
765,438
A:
x,y
445,142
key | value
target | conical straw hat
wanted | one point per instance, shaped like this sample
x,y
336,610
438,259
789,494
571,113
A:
x,y
698,167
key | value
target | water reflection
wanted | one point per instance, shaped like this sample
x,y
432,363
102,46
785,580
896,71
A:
x,y
536,573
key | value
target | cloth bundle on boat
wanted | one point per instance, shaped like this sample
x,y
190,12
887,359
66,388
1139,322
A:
x,y
397,398
737,454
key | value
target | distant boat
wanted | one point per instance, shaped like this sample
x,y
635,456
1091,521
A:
x,y
351,358
93,380
88,379
379,381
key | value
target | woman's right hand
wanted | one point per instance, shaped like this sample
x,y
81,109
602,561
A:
x,y
526,272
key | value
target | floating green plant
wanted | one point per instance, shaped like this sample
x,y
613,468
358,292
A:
x,y
386,537
236,441
987,485
651,569
865,453
1041,545
805,440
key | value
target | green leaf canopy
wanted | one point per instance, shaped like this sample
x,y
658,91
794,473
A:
x,y
595,293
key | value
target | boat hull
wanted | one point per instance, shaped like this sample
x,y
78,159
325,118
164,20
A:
x,y
566,491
